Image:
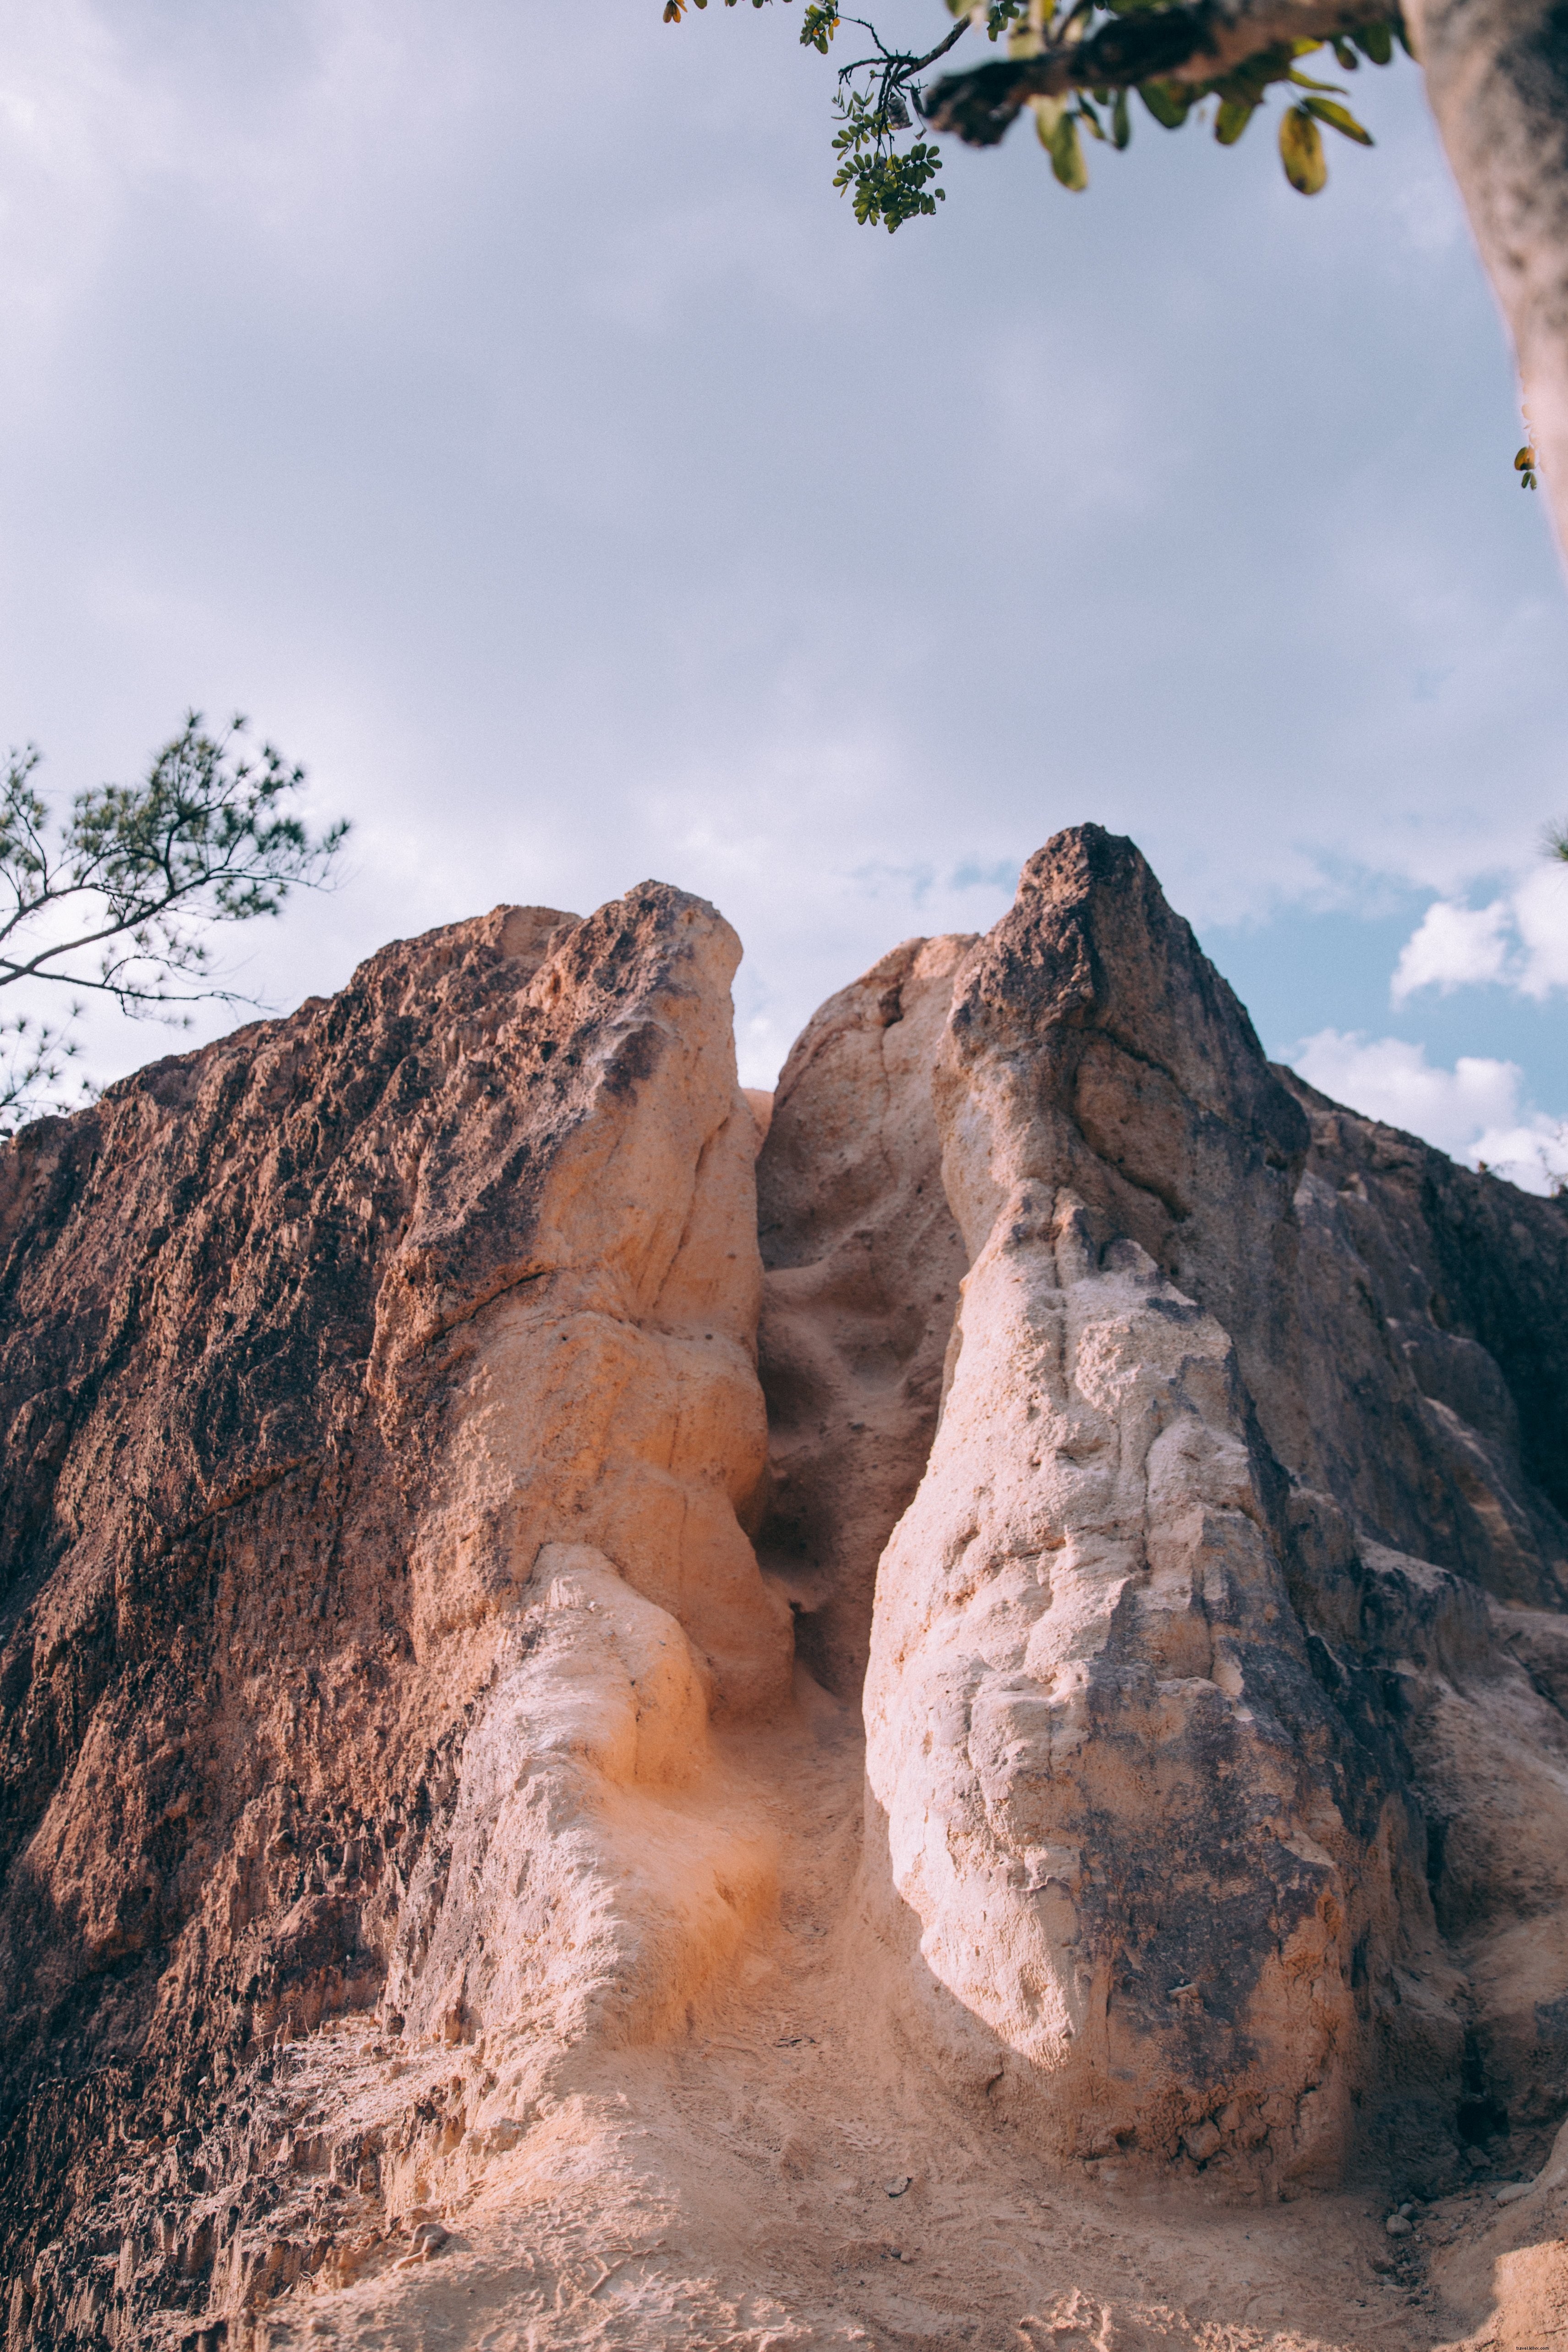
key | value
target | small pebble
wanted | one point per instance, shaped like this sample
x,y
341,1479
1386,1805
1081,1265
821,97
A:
x,y
897,2188
1397,2226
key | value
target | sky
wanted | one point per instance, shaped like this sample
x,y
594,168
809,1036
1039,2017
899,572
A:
x,y
497,402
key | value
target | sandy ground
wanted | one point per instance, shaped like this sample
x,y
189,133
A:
x,y
773,2180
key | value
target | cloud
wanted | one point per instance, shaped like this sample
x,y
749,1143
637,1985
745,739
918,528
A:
x,y
1472,1111
1541,917
1451,947
582,507
1520,940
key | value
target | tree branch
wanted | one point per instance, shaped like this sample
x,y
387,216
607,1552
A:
x,y
941,47
1197,43
141,871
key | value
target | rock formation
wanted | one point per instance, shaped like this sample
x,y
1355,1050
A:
x,y
381,1394
1164,1852
863,1262
434,1910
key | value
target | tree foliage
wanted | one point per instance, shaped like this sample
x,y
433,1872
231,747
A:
x,y
117,896
1075,65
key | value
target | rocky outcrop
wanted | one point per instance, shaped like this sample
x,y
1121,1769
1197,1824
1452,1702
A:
x,y
1134,1835
381,1396
862,1262
1144,1807
433,1909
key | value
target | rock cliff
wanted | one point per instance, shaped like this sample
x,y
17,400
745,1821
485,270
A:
x,y
460,1497
1157,1830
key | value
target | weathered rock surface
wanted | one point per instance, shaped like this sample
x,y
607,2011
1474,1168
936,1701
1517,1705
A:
x,y
381,1394
1143,1801
1129,1825
433,1914
863,1262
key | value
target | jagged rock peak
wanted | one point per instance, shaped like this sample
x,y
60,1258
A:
x,y
1091,942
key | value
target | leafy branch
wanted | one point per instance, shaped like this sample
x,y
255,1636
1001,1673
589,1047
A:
x,y
1074,64
31,1072
115,898
887,184
1070,64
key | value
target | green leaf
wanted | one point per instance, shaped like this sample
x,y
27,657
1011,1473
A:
x,y
1121,120
1169,102
1089,118
1232,120
1047,114
1067,156
1376,42
1348,62
1338,118
1302,150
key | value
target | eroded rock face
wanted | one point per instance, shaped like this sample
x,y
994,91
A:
x,y
863,1261
422,1872
1149,1805
381,1396
1139,1845
589,1882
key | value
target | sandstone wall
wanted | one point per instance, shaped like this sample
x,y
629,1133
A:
x,y
1149,1805
380,1396
400,1737
863,1261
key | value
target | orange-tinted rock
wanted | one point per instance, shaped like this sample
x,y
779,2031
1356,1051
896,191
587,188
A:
x,y
863,1261
431,1913
318,1343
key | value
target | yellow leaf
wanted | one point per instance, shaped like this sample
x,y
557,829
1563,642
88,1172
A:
x,y
1047,114
1302,150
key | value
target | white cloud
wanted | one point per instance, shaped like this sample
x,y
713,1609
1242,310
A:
x,y
1521,939
1392,1080
1453,946
1541,917
585,508
1472,1111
